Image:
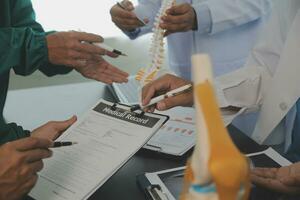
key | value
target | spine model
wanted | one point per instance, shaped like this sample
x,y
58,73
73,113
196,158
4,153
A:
x,y
157,47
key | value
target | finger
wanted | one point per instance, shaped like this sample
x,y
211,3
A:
x,y
170,102
80,55
178,9
36,155
167,33
111,78
291,181
61,126
127,5
111,54
103,78
118,12
273,184
171,19
29,184
32,143
265,172
90,48
160,85
150,109
36,166
87,37
111,69
174,27
125,22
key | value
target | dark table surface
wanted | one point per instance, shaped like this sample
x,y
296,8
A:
x,y
123,185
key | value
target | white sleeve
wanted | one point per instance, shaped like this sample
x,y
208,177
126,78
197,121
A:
x,y
227,14
147,9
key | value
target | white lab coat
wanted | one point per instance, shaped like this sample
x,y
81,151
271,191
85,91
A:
x,y
270,80
234,28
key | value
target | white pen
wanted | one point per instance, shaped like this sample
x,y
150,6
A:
x,y
108,48
169,94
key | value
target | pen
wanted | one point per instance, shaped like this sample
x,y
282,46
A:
x,y
108,48
124,8
171,93
121,5
63,144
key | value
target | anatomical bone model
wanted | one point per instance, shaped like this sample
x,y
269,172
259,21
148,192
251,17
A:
x,y
216,170
157,47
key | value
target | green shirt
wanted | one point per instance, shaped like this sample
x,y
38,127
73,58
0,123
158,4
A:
x,y
23,48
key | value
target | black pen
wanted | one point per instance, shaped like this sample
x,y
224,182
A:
x,y
63,144
108,48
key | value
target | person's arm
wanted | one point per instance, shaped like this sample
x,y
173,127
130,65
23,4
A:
x,y
23,45
11,132
214,16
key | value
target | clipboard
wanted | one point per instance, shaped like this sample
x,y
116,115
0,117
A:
x,y
176,137
167,184
108,135
162,185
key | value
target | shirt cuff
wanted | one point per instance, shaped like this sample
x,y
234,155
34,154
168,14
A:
x,y
204,19
133,34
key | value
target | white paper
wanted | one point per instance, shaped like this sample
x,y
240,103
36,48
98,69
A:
x,y
105,143
127,92
274,155
178,135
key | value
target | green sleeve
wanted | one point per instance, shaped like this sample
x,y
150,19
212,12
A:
x,y
23,44
11,132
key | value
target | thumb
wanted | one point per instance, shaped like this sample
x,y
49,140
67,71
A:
x,y
61,126
177,10
128,5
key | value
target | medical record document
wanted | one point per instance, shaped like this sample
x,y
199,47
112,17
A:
x,y
108,136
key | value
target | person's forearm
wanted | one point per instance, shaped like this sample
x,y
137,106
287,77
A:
x,y
11,132
231,13
22,49
25,50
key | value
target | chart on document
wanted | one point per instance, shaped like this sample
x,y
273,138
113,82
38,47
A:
x,y
178,135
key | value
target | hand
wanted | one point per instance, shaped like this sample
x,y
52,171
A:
x,y
165,84
125,19
19,163
52,130
283,180
100,70
179,18
70,48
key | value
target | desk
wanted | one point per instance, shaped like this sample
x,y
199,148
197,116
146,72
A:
x,y
123,184
39,105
